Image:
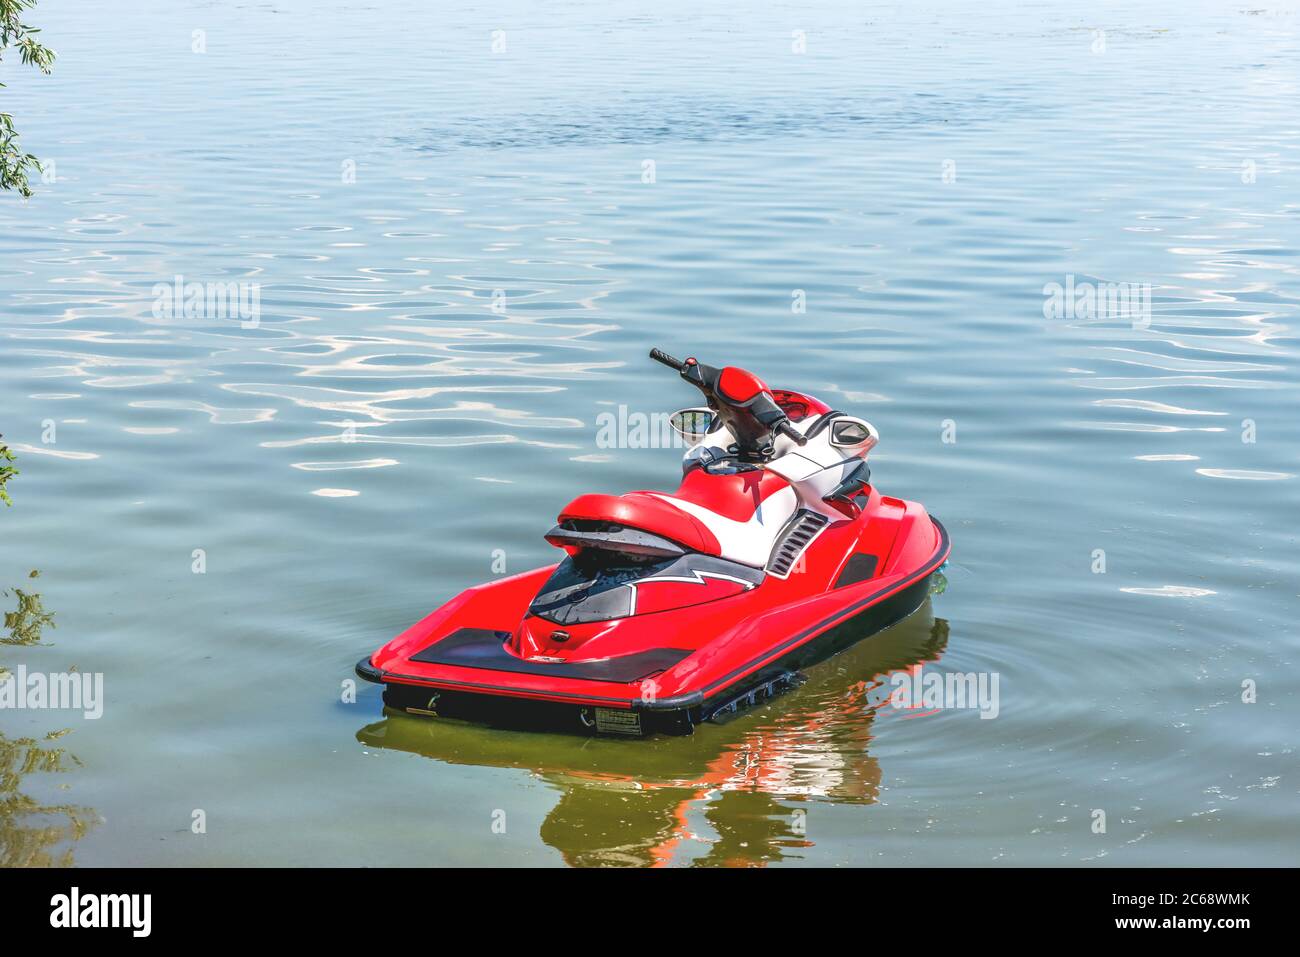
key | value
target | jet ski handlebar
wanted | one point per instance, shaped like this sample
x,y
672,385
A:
x,y
788,430
658,355
744,402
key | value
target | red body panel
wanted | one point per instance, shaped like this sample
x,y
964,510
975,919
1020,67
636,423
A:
x,y
735,496
739,385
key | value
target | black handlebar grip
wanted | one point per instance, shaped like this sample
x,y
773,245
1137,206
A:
x,y
658,355
786,428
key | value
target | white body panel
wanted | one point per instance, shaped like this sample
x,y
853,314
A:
x,y
749,543
813,471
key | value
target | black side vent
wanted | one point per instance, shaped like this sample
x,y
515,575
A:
x,y
801,530
858,568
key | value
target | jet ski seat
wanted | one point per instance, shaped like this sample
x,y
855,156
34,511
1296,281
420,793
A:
x,y
734,516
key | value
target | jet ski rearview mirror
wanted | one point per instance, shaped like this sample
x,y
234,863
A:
x,y
692,424
848,433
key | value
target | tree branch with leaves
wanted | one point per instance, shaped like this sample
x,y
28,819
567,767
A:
x,y
15,34
7,471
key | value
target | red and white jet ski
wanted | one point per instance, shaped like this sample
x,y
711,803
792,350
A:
x,y
669,609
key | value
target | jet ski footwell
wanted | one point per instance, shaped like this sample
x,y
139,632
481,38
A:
x,y
458,661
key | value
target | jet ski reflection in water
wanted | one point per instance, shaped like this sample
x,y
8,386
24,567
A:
x,y
731,794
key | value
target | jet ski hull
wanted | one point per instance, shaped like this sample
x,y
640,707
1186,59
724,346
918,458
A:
x,y
676,668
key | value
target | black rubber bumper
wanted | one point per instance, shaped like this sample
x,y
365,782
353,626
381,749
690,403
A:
x,y
368,671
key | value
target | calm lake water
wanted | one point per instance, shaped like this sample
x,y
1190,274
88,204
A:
x,y
461,259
